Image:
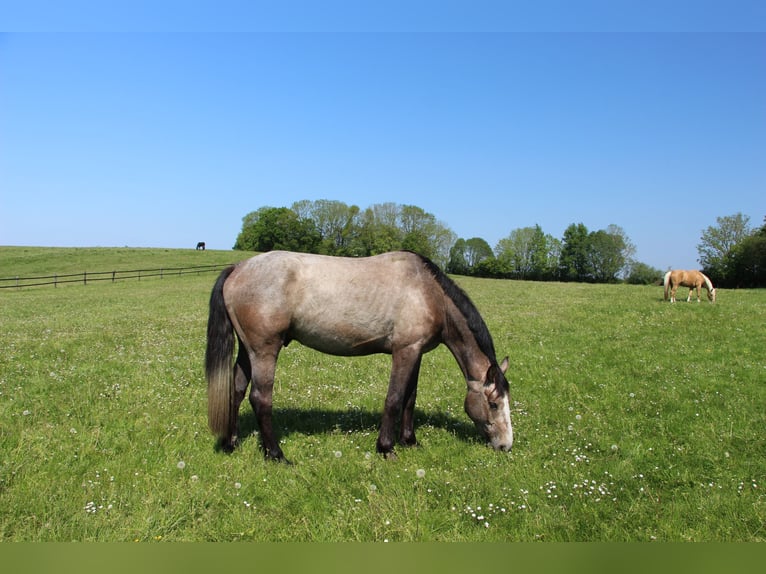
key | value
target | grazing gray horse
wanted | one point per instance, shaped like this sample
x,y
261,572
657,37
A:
x,y
397,303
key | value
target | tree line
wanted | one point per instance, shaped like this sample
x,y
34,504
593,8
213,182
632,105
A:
x,y
335,228
731,253
601,256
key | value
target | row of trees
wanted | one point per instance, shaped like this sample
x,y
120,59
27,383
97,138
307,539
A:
x,y
733,254
528,253
334,228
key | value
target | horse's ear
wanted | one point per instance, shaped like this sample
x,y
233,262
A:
x,y
492,372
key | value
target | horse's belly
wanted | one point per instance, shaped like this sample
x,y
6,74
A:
x,y
343,339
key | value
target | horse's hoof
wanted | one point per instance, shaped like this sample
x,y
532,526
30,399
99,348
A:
x,y
226,446
390,455
410,443
279,457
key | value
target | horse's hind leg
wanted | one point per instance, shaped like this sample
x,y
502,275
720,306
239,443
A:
x,y
264,363
242,375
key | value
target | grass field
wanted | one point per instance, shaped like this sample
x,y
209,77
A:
x,y
635,420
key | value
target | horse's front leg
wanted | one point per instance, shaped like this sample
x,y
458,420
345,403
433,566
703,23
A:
x,y
691,292
405,363
407,431
264,366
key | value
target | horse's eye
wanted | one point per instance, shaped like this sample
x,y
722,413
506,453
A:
x,y
493,406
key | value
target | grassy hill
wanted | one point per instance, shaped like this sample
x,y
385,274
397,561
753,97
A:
x,y
33,261
635,420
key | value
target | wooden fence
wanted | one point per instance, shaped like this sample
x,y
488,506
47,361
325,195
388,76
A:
x,y
90,276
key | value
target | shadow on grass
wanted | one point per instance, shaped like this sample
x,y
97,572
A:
x,y
288,421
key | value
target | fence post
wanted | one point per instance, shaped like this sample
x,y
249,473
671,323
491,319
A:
x,y
113,274
55,280
84,277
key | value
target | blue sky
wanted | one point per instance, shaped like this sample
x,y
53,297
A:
x,y
151,125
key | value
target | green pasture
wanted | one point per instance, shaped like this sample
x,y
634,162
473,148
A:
x,y
47,261
635,420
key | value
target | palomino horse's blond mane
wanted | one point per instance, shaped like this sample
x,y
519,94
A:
x,y
694,280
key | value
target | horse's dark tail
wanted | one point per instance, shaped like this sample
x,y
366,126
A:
x,y
218,363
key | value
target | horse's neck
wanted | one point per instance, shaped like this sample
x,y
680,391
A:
x,y
461,341
706,283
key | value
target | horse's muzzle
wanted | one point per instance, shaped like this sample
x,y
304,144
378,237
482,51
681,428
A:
x,y
502,443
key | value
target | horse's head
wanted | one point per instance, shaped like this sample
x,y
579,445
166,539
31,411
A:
x,y
487,403
711,295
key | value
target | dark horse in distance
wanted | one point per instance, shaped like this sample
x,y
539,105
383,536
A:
x,y
397,303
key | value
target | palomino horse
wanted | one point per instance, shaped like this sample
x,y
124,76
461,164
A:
x,y
397,303
691,279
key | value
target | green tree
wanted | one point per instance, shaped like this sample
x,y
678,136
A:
x,y
493,267
375,234
601,256
609,254
418,229
466,255
458,263
272,228
526,252
628,248
388,226
746,264
643,274
424,234
573,262
477,250
552,268
418,242
336,222
717,243
605,256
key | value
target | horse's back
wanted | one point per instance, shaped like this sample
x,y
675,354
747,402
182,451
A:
x,y
301,273
338,305
687,278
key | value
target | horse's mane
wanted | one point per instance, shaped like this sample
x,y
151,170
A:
x,y
466,307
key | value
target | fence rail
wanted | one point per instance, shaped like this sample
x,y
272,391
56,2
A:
x,y
92,276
